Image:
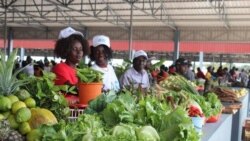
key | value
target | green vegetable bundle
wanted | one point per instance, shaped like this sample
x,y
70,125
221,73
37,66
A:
x,y
177,83
89,75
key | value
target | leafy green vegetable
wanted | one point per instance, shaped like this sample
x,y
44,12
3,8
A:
x,y
89,75
177,126
48,95
147,133
98,104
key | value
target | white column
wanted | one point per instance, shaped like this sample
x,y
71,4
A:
x,y
22,54
201,56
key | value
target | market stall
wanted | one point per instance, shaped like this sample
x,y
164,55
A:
x,y
219,131
239,118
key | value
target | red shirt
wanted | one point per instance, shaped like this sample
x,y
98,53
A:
x,y
65,73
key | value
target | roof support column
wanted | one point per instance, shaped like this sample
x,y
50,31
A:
x,y
10,41
176,45
131,29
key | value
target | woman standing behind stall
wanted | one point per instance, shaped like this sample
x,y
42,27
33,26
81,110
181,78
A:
x,y
101,54
72,46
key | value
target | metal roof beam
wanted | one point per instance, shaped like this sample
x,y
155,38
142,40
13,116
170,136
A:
x,y
164,19
219,9
114,22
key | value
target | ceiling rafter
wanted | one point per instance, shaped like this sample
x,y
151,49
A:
x,y
84,13
165,19
5,4
219,8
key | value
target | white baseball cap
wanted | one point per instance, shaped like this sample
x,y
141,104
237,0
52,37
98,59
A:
x,y
140,53
66,32
101,40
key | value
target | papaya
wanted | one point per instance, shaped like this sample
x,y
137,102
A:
x,y
41,116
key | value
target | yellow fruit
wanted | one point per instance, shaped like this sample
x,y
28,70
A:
x,y
17,105
41,116
5,103
23,115
12,122
13,98
34,135
30,102
24,128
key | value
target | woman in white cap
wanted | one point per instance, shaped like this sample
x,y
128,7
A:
x,y
136,76
72,46
101,54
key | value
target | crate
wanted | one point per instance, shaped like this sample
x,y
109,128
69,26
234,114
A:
x,y
74,113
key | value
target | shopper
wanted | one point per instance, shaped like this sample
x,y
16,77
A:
x,y
136,76
29,67
181,66
72,46
162,75
152,72
200,74
101,54
190,74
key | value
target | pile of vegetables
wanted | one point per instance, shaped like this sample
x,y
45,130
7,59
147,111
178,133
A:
x,y
48,95
126,118
178,83
184,94
89,75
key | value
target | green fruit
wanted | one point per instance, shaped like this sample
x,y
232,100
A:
x,y
12,122
17,105
24,128
5,104
23,115
13,98
30,102
6,114
22,94
34,135
2,117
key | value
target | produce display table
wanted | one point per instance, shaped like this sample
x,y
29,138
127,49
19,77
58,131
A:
x,y
239,118
218,131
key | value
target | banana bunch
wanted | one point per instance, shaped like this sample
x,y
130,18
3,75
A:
x,y
89,75
241,92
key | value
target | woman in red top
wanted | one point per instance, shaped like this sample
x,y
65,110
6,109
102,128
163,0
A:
x,y
72,46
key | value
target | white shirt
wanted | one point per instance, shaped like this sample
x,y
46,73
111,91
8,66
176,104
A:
x,y
29,70
132,77
110,80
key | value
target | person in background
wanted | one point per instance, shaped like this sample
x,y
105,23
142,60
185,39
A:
x,y
162,75
152,72
181,66
190,74
171,70
136,76
38,68
72,46
200,74
244,78
47,66
101,54
29,67
208,82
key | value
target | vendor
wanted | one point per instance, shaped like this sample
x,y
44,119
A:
x,y
136,76
101,54
72,46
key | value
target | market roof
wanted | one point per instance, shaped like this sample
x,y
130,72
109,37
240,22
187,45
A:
x,y
88,13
